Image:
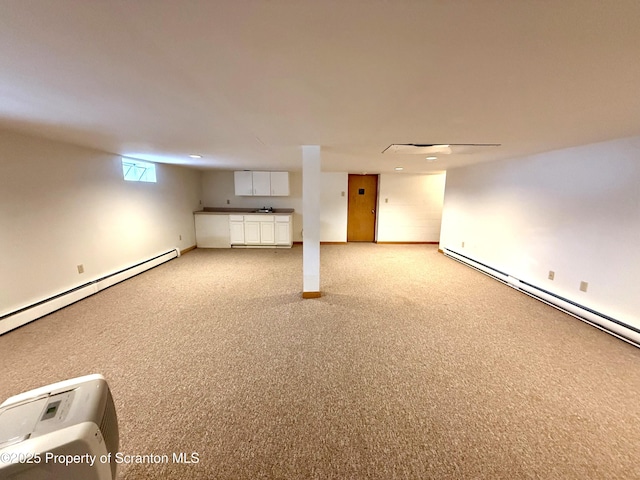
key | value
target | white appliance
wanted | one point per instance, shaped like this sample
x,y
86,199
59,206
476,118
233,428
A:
x,y
67,430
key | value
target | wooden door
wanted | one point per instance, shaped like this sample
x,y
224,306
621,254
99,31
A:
x,y
363,200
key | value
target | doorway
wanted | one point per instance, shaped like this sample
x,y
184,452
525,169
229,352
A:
x,y
361,210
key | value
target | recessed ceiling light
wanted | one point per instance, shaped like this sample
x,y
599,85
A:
x,y
195,156
398,169
431,159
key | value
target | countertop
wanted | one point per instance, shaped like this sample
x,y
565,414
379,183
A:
x,y
242,211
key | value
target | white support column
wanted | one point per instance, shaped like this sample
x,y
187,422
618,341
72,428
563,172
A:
x,y
311,221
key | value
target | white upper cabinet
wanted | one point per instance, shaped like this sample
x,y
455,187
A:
x,y
243,182
279,184
261,184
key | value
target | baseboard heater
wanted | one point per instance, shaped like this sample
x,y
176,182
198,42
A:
x,y
599,320
44,307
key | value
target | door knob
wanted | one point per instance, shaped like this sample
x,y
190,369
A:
x,y
373,211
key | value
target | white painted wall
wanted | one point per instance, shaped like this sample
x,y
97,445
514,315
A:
x,y
62,205
333,214
573,211
410,207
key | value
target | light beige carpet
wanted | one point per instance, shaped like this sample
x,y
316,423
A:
x,y
410,366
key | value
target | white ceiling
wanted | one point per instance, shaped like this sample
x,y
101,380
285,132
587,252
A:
x,y
246,82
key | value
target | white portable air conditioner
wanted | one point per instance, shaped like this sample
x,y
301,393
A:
x,y
68,430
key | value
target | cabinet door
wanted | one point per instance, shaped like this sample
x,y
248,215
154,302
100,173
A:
x,y
280,184
267,233
283,233
252,233
243,182
261,184
204,231
212,231
236,230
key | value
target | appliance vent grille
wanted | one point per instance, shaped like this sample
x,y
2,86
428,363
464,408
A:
x,y
109,429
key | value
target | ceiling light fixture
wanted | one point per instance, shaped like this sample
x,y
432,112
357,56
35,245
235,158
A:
x,y
431,159
439,148
397,169
195,156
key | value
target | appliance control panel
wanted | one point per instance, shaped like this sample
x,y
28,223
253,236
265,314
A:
x,y
55,411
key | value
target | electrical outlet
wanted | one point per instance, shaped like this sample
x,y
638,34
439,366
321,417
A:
x,y
584,286
462,245
552,275
386,200
80,268
342,194
228,202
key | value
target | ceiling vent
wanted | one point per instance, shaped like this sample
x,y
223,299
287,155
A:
x,y
438,148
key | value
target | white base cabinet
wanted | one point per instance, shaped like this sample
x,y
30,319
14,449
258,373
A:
x,y
236,229
267,233
261,230
225,231
212,231
283,231
252,233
